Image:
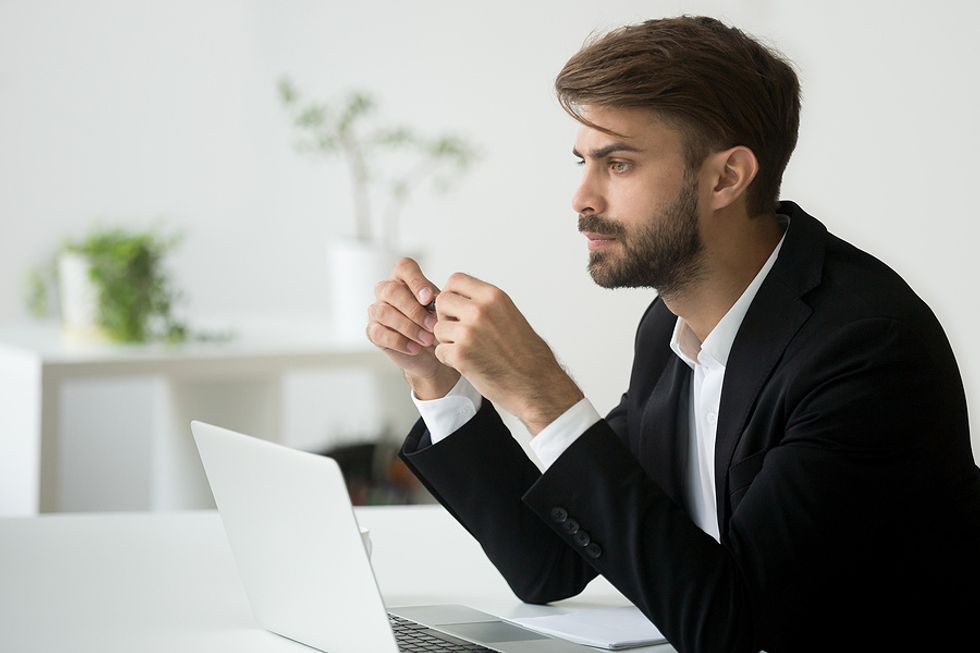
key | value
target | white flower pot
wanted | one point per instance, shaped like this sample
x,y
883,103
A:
x,y
354,268
79,297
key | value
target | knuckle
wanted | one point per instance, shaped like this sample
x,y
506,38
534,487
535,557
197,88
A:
x,y
456,277
388,292
405,265
496,295
442,354
393,341
386,338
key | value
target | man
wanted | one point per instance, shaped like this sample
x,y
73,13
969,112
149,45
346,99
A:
x,y
790,468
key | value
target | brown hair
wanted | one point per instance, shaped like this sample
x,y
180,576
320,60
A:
x,y
719,87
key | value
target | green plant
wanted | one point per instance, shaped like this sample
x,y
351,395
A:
x,y
351,131
136,298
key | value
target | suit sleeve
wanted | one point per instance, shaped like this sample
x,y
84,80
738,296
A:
x,y
480,475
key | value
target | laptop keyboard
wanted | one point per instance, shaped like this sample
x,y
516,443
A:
x,y
414,637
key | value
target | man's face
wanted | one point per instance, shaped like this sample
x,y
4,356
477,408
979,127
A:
x,y
637,203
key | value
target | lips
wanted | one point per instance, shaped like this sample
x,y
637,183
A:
x,y
594,236
597,241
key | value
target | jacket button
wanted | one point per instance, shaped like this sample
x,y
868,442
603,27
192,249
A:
x,y
593,550
582,538
570,526
559,514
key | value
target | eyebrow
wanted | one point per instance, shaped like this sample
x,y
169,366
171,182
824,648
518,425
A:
x,y
603,152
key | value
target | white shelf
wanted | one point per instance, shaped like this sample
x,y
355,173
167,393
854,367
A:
x,y
66,447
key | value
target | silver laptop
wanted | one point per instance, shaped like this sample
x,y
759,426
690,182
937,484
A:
x,y
299,552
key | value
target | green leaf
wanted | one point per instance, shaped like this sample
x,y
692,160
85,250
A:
x,y
313,116
287,91
397,137
36,294
359,104
326,143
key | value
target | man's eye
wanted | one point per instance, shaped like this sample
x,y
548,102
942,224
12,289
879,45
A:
x,y
620,166
580,162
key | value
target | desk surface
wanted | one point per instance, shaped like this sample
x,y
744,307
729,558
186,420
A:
x,y
167,582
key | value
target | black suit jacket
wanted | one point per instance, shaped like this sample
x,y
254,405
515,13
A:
x,y
848,498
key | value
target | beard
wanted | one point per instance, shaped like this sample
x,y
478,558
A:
x,y
665,252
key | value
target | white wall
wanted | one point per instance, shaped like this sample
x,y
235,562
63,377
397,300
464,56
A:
x,y
136,112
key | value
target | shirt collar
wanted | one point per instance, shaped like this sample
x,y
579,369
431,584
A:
x,y
718,345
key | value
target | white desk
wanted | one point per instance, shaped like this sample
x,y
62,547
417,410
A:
x,y
124,442
166,582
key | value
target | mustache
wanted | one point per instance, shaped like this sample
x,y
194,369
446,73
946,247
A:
x,y
600,225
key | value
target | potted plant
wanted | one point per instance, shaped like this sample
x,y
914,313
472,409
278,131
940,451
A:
x,y
351,130
112,286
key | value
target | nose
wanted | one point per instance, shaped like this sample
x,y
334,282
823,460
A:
x,y
588,197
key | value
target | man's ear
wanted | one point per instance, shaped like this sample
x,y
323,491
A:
x,y
732,170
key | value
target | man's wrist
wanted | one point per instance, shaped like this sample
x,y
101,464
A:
x,y
435,387
546,409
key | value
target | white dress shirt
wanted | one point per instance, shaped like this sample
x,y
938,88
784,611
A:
x,y
707,359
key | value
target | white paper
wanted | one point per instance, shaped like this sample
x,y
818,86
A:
x,y
609,628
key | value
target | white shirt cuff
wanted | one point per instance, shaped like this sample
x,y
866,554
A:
x,y
445,415
552,441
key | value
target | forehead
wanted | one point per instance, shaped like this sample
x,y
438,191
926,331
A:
x,y
641,128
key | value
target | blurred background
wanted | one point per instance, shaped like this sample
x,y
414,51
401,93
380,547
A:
x,y
169,117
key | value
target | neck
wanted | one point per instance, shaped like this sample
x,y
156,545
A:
x,y
735,251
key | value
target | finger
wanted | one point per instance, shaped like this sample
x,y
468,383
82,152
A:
x,y
451,333
389,316
470,287
408,271
453,306
397,294
444,354
382,336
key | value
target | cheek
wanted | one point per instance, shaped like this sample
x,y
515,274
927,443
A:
x,y
642,196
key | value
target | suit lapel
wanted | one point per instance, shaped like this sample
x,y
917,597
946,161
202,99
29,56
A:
x,y
754,355
665,429
776,314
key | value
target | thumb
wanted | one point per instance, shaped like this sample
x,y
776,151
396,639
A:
x,y
407,270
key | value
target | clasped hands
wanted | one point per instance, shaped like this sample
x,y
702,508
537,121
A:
x,y
476,332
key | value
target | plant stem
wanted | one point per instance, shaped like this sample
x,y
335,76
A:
x,y
390,217
359,182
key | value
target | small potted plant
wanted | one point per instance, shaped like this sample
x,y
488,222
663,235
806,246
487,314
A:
x,y
112,286
350,129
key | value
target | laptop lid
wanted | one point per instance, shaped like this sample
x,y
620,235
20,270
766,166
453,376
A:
x,y
296,542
